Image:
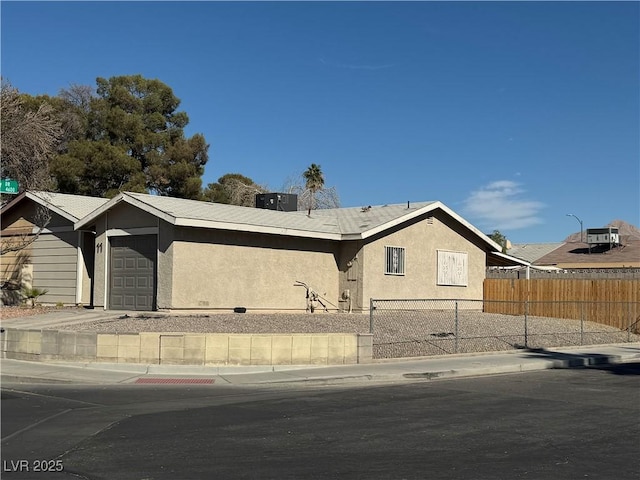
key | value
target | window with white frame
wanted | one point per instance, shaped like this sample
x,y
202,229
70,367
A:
x,y
453,268
394,260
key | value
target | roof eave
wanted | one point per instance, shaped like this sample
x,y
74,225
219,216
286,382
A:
x,y
41,201
508,260
13,202
495,246
396,221
239,227
87,219
428,208
124,197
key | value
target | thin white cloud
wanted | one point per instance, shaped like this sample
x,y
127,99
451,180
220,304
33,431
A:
x,y
355,66
501,205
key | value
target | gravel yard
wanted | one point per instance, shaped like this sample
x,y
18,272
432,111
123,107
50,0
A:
x,y
396,335
7,312
233,323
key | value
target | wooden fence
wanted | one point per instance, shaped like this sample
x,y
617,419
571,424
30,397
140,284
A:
x,y
609,302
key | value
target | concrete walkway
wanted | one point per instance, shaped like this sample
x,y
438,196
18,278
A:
x,y
428,368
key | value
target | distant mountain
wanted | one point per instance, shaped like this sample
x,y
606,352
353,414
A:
x,y
626,231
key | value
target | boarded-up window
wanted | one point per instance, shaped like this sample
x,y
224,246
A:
x,y
453,268
394,260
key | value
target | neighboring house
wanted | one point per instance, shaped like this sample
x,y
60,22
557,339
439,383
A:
x,y
531,252
172,254
527,253
573,257
60,260
577,255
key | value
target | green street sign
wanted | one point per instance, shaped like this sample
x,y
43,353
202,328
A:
x,y
9,186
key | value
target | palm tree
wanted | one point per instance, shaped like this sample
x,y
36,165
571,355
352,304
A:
x,y
315,181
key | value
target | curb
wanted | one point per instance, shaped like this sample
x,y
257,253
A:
x,y
24,379
540,365
529,367
260,375
156,369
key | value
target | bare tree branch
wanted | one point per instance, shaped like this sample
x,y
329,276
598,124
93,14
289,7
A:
x,y
25,237
28,139
243,194
325,197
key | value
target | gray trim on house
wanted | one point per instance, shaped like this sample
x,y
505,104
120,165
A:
x,y
71,207
329,224
54,261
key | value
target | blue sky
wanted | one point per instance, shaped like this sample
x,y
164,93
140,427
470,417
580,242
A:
x,y
513,114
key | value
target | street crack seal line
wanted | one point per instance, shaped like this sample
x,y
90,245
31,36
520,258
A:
x,y
176,381
428,375
29,427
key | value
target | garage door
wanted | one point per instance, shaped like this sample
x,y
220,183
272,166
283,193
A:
x,y
132,272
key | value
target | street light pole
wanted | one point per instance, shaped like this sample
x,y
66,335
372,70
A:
x,y
580,222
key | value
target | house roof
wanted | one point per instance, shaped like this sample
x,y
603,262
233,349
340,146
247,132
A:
x,y
71,207
576,255
531,252
362,222
194,213
330,224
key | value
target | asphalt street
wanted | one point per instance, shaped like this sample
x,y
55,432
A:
x,y
552,424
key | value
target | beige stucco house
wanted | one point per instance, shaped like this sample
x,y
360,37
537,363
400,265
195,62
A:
x,y
166,253
56,257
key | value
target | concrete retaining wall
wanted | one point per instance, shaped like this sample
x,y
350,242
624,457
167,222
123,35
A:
x,y
188,348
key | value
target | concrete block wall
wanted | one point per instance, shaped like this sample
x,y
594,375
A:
x,y
188,348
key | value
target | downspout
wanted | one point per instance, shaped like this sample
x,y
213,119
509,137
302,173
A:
x,y
79,268
157,267
106,261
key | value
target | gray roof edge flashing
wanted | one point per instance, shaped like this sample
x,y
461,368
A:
x,y
141,201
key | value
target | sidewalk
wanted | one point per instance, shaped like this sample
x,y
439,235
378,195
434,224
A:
x,y
397,370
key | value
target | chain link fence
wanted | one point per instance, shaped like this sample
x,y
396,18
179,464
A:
x,y
413,328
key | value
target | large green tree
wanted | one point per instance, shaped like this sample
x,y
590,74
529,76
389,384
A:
x,y
129,136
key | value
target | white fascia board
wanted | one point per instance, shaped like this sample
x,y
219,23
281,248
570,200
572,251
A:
x,y
421,211
97,212
150,209
482,236
511,259
239,227
351,236
397,221
123,197
13,202
51,207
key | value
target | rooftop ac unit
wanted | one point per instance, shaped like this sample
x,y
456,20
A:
x,y
601,236
285,202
